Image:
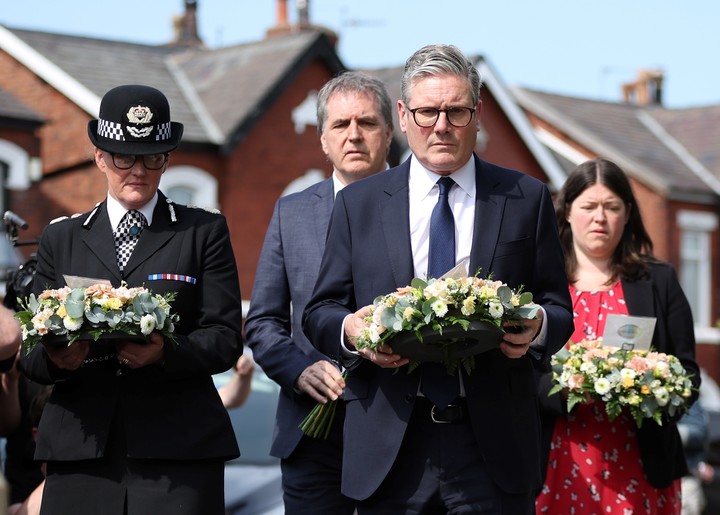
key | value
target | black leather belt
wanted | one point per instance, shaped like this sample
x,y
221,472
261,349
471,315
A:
x,y
454,413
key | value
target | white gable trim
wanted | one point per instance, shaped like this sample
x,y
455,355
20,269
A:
x,y
522,125
188,89
49,72
561,147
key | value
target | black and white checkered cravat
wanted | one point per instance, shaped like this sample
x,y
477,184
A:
x,y
127,234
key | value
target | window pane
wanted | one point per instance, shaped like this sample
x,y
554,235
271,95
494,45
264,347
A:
x,y
181,195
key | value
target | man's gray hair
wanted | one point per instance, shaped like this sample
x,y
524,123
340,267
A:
x,y
354,82
432,60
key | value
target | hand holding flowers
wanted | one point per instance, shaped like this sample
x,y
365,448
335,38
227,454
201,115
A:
x,y
439,317
91,312
647,384
426,309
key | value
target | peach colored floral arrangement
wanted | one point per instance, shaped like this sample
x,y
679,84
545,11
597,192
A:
x,y
89,313
647,384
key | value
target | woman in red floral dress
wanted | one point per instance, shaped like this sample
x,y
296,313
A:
x,y
596,466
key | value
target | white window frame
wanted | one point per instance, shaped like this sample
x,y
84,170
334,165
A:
x,y
702,224
203,185
19,164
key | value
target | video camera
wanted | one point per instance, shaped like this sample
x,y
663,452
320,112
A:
x,y
19,280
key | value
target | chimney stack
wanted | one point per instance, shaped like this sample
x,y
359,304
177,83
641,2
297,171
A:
x,y
185,27
645,90
282,25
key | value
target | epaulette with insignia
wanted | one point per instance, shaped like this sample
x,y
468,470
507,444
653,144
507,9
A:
x,y
208,209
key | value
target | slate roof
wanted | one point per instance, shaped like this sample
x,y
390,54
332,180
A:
x,y
639,138
236,83
215,93
698,129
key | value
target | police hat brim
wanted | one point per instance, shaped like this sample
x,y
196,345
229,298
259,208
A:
x,y
139,148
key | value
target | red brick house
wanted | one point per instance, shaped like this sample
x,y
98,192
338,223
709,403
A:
x,y
673,159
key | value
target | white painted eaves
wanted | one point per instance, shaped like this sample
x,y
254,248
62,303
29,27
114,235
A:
x,y
212,131
49,72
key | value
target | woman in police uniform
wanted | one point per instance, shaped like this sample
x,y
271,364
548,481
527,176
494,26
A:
x,y
139,428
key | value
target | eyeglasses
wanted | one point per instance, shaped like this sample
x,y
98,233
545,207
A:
x,y
150,161
456,116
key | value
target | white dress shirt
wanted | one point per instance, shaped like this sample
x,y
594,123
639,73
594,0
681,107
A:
x,y
423,193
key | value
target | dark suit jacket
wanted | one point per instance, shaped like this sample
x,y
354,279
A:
x,y
368,253
285,277
659,295
171,411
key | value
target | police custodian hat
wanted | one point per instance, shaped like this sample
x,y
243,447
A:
x,y
135,119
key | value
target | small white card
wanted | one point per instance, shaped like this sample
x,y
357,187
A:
x,y
75,281
458,271
629,332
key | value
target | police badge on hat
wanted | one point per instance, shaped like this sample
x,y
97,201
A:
x,y
135,120
140,115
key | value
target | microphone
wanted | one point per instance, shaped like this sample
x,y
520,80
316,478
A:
x,y
11,218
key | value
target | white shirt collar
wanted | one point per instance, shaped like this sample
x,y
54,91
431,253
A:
x,y
116,211
423,179
337,185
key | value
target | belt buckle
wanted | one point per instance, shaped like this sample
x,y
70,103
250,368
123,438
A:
x,y
432,416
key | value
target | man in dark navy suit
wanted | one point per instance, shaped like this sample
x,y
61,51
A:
x,y
479,451
354,116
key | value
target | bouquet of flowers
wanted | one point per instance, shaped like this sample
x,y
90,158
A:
x,y
431,307
647,384
93,311
428,307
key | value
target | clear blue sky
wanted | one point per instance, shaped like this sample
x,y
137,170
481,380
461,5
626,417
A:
x,y
585,48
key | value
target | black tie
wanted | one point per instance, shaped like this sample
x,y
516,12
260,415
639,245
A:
x,y
437,385
127,235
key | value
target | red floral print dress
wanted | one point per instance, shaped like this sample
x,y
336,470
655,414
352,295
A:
x,y
594,466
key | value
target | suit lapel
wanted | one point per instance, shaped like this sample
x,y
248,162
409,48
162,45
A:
x,y
322,209
394,217
489,210
639,297
98,237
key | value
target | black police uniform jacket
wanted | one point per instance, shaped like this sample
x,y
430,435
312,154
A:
x,y
170,410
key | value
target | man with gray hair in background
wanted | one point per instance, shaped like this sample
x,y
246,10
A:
x,y
354,116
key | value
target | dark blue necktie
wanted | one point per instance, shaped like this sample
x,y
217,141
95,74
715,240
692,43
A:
x,y
437,385
441,257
